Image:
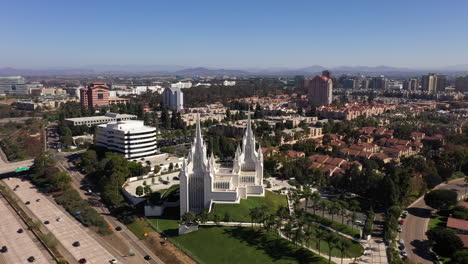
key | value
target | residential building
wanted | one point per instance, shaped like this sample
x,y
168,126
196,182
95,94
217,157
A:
x,y
433,82
320,90
173,98
95,95
203,182
97,120
13,85
411,84
130,138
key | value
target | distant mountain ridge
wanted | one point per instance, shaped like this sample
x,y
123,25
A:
x,y
177,70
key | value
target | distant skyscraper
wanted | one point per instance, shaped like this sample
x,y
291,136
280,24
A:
x,y
365,83
320,90
95,95
13,85
299,81
173,98
441,82
380,82
461,83
411,84
429,83
328,74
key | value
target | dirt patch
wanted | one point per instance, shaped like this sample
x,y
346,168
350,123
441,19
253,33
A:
x,y
167,251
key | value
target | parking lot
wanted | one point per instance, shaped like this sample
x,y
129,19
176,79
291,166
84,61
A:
x,y
20,246
64,227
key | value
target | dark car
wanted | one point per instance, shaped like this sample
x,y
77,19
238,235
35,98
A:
x,y
38,200
4,249
31,259
20,230
83,260
28,203
118,228
148,257
46,222
76,244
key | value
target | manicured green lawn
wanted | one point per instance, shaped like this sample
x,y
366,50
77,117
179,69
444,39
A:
x,y
437,220
240,212
231,245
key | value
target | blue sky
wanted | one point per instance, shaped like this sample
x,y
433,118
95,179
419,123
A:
x,y
234,34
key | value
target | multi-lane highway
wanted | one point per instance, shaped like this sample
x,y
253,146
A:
x,y
65,228
415,226
21,245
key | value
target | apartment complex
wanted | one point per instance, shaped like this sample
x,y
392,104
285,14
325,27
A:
x,y
95,95
320,90
433,82
13,85
130,138
461,83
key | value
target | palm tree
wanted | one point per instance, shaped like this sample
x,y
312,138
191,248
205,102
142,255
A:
x,y
253,213
307,195
353,219
323,206
343,245
343,210
331,240
334,208
315,198
298,236
320,235
278,225
309,234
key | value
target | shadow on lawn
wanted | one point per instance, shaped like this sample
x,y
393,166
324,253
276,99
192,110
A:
x,y
276,248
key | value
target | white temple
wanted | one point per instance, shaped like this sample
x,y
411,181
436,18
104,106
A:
x,y
204,182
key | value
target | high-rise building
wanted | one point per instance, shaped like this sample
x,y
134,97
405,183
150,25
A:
x,y
429,83
203,182
351,83
173,98
130,138
461,83
13,85
299,81
320,90
411,84
365,83
95,95
441,82
328,74
379,82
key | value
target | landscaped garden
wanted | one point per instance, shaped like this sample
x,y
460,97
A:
x,y
240,212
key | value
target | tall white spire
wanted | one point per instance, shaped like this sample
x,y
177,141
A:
x,y
199,149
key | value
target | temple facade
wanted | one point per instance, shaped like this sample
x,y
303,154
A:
x,y
204,182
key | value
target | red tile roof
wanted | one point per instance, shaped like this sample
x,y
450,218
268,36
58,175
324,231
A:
x,y
457,223
464,239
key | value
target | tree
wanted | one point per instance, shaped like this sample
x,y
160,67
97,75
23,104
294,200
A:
x,y
331,240
445,240
320,235
139,191
440,199
343,245
61,180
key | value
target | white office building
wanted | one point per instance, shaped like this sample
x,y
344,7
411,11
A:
x,y
173,98
130,138
203,182
229,83
13,85
97,120
182,85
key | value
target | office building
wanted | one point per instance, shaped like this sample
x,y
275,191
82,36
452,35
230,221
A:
x,y
461,84
173,98
182,85
95,95
433,82
379,82
130,138
320,90
327,74
13,85
97,120
203,182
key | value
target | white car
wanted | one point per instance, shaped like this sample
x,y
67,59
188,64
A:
x,y
399,230
113,261
59,219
